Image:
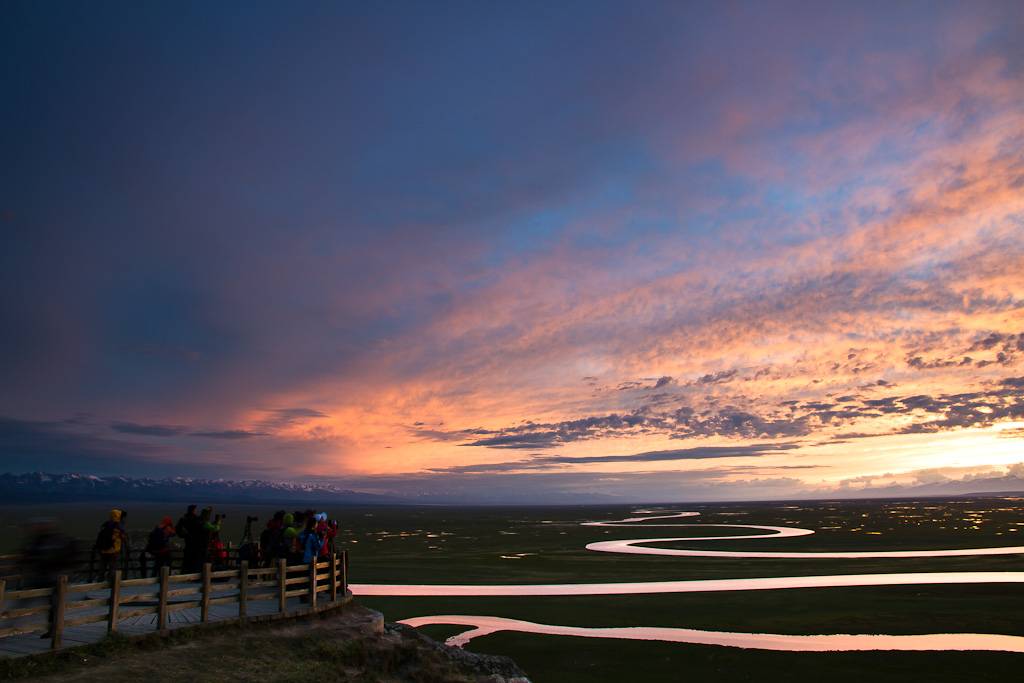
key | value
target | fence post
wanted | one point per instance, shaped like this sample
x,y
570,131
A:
x,y
115,602
282,576
334,576
344,573
3,585
312,582
204,610
243,587
161,610
57,612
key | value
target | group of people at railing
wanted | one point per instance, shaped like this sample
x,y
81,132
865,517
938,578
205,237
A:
x,y
50,559
298,538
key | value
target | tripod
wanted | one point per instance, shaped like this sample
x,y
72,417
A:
x,y
247,534
248,548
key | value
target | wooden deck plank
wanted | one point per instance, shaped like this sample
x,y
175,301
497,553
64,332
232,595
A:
x,y
262,607
224,612
134,630
26,644
74,641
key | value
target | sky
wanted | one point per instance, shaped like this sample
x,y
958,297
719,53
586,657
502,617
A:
x,y
650,250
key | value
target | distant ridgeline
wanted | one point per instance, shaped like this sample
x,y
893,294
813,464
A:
x,y
40,487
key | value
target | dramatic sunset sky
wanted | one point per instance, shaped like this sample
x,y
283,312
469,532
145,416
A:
x,y
657,250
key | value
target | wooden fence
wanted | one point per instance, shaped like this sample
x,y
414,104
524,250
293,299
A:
x,y
133,563
53,609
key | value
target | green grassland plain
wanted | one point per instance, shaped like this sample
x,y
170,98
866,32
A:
x,y
500,545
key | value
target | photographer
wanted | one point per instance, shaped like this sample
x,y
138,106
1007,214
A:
x,y
311,541
108,542
328,531
205,530
159,545
272,539
188,530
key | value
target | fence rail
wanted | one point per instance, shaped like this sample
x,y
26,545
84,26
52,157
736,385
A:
x,y
66,605
133,562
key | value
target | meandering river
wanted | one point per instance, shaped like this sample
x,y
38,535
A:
x,y
484,625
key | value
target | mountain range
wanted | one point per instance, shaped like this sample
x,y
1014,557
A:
x,y
42,487
981,486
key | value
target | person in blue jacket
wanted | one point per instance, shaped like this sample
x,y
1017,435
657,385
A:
x,y
312,541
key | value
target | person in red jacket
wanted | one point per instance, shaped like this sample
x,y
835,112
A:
x,y
328,531
160,546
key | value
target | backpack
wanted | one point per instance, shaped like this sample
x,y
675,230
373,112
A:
x,y
105,539
181,528
274,545
247,553
311,546
264,538
216,550
157,540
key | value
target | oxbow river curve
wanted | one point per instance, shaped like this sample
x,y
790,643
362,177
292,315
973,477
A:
x,y
483,625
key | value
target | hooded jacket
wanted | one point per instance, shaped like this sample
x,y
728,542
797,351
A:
x,y
311,547
167,527
119,532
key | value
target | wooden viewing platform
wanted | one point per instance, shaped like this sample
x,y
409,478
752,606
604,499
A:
x,y
84,613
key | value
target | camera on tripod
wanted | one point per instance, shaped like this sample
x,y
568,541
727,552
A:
x,y
250,519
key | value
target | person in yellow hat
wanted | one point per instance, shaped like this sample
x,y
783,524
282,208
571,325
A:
x,y
108,542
